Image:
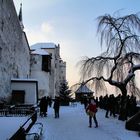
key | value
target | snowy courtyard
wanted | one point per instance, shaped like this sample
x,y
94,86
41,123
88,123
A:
x,y
9,125
73,125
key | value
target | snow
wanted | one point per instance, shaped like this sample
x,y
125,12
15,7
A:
x,y
72,125
42,46
36,129
9,125
23,79
40,52
83,89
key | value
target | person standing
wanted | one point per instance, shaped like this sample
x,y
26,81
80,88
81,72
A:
x,y
91,111
56,107
43,106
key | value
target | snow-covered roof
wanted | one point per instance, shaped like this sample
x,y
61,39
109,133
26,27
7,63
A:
x,y
23,80
83,89
43,46
40,52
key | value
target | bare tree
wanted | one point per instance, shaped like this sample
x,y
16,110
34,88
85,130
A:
x,y
118,64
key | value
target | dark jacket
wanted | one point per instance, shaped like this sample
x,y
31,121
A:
x,y
56,105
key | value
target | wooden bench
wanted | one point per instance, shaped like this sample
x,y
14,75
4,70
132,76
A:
x,y
35,133
28,125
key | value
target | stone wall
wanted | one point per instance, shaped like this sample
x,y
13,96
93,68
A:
x,y
14,50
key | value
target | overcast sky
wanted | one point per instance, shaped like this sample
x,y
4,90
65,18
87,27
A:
x,y
72,24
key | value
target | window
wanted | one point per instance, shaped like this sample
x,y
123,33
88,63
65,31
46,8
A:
x,y
46,63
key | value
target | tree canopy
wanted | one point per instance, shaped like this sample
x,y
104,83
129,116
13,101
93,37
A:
x,y
65,93
120,60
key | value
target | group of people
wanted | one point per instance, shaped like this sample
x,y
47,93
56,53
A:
x,y
47,101
121,106
124,106
91,108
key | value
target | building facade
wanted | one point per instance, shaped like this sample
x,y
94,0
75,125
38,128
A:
x,y
40,70
14,48
62,71
57,72
17,61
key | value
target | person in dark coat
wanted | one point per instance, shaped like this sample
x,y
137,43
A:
x,y
56,107
110,106
49,101
91,111
107,105
123,108
43,106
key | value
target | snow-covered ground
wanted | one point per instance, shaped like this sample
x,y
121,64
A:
x,y
73,125
9,125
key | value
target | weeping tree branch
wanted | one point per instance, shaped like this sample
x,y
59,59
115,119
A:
x,y
122,50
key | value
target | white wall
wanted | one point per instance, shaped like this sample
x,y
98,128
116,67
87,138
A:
x,y
41,76
52,76
30,89
43,82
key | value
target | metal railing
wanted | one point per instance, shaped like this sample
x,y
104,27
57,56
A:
x,y
19,111
12,110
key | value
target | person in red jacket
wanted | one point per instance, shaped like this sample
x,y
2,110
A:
x,y
91,111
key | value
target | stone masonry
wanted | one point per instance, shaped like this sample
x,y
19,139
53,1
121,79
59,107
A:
x,y
14,48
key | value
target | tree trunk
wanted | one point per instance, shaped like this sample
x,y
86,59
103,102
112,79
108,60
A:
x,y
123,104
123,90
